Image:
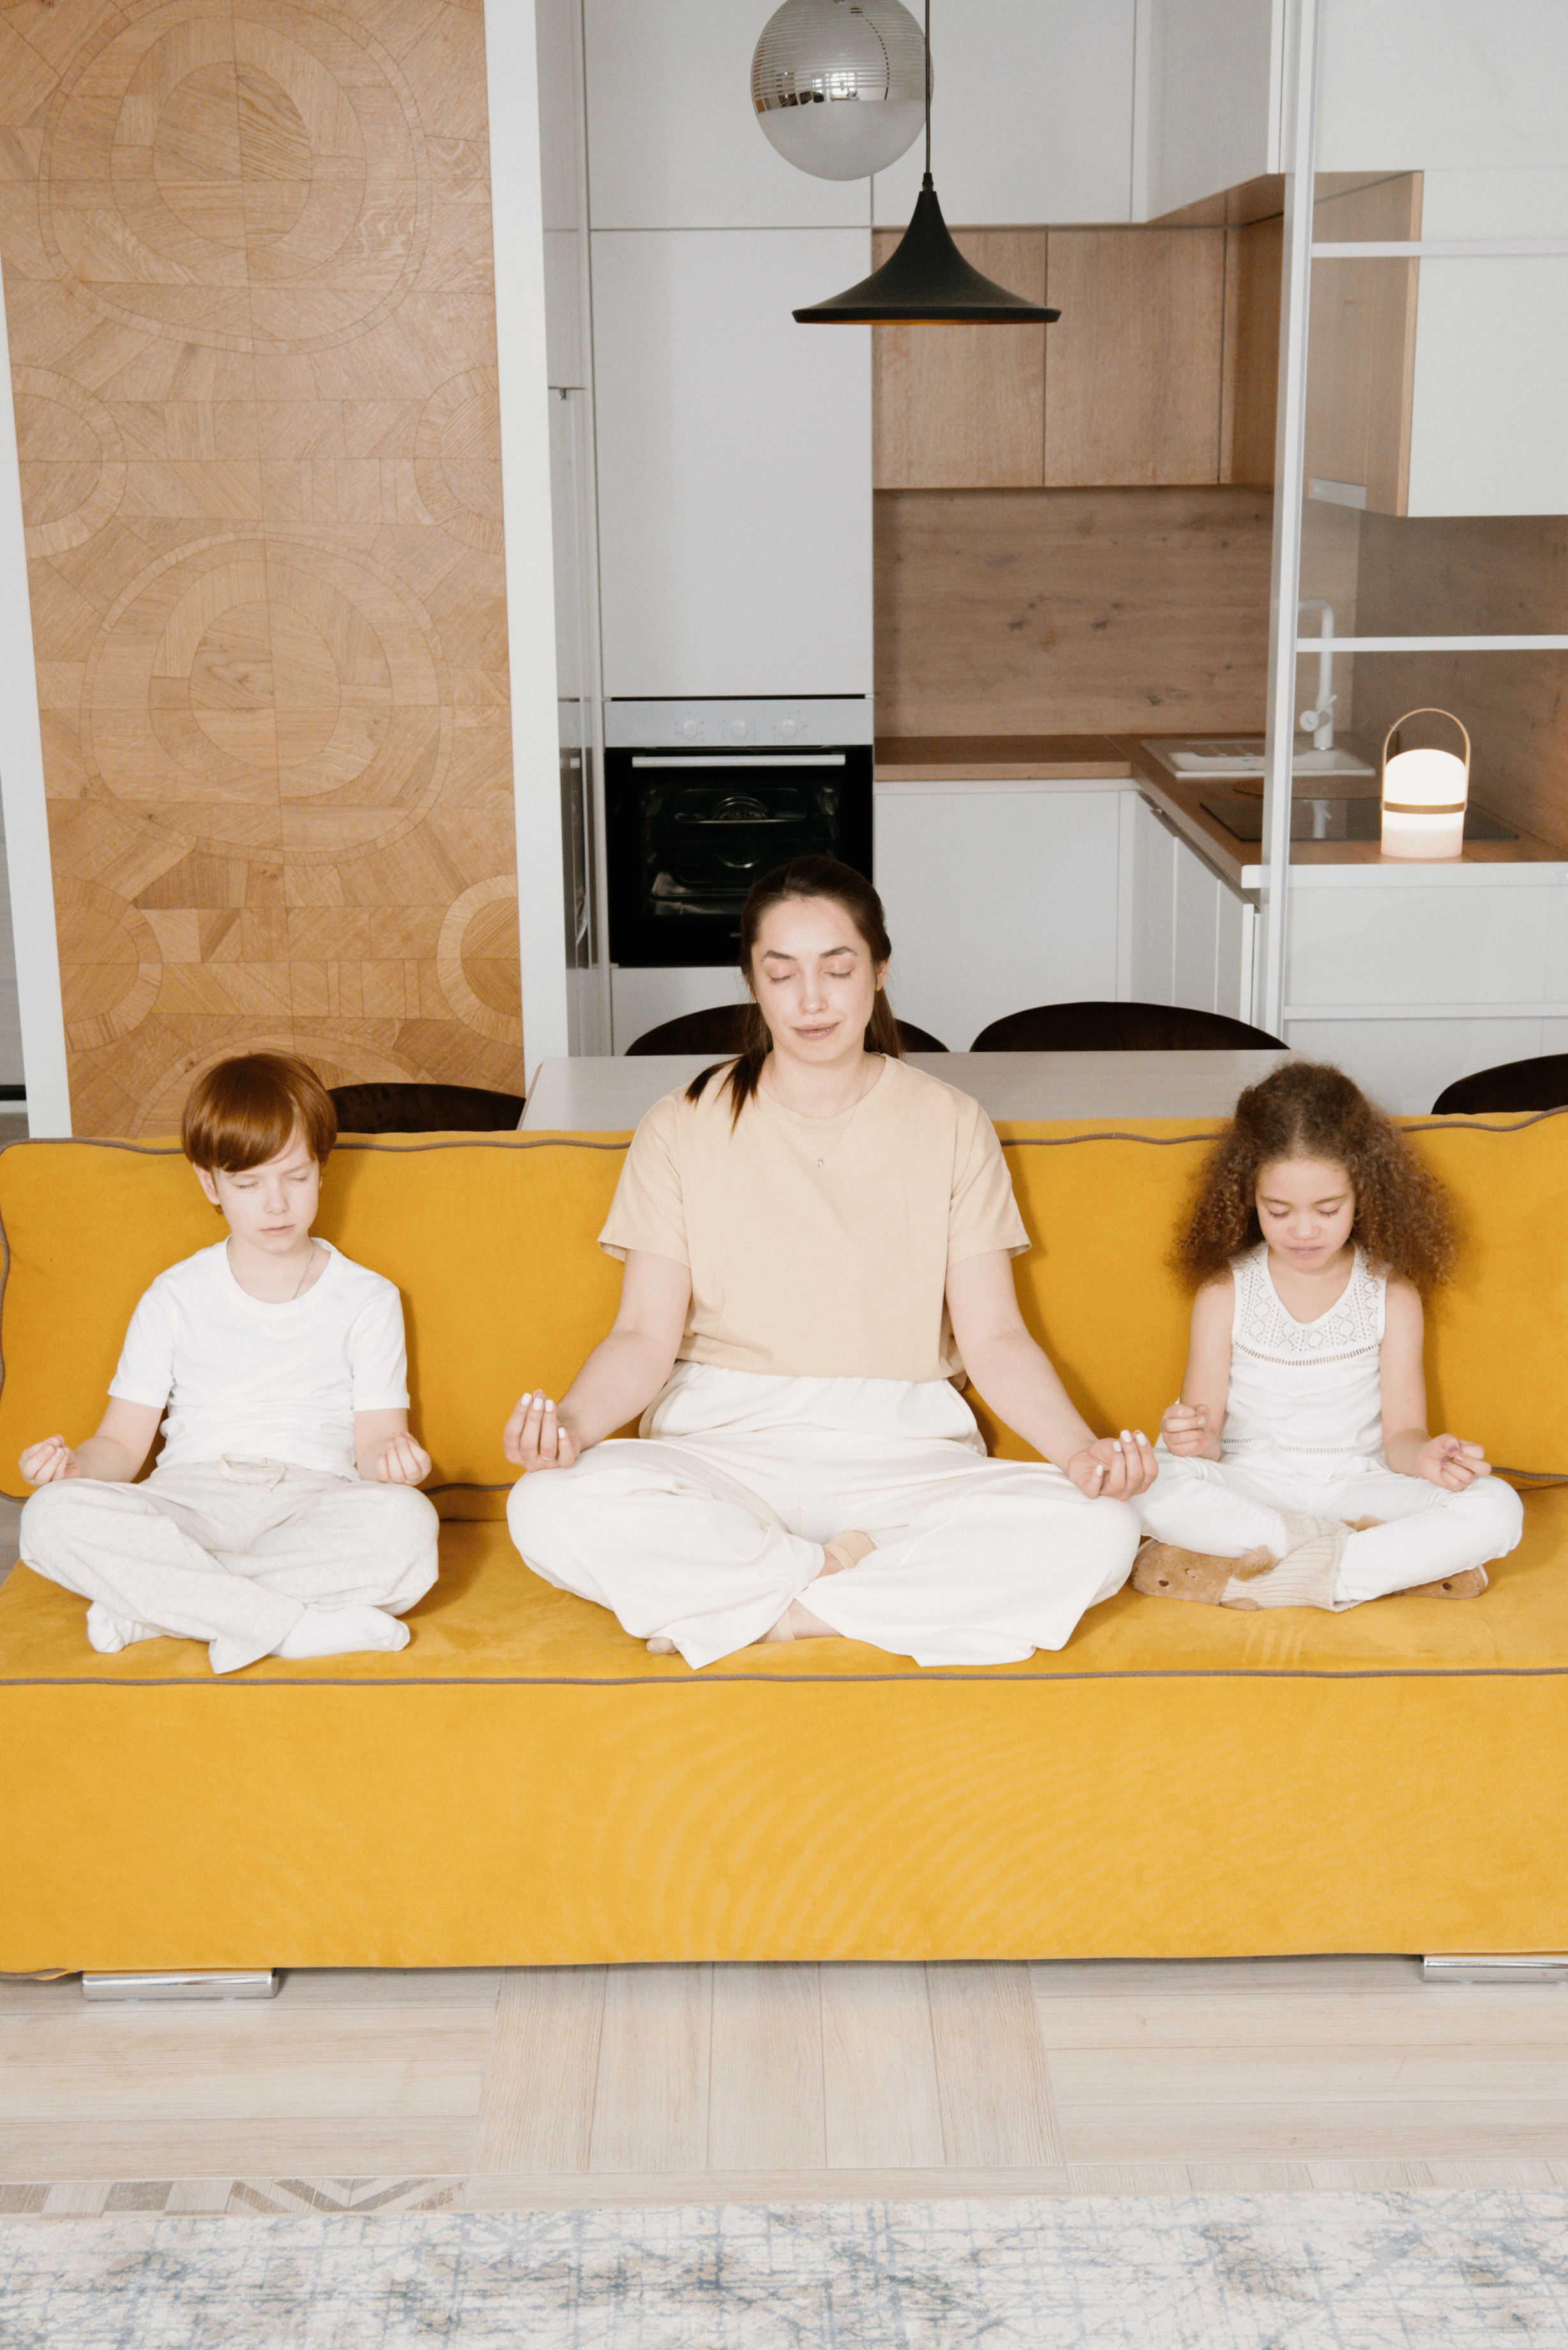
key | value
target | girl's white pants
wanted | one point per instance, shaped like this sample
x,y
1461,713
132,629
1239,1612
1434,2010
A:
x,y
1228,1507
706,1527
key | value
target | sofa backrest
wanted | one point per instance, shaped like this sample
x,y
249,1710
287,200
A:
x,y
491,1240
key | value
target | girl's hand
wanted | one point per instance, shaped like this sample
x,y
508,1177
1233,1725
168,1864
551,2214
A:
x,y
1449,1462
43,1464
402,1461
535,1438
1116,1467
1185,1428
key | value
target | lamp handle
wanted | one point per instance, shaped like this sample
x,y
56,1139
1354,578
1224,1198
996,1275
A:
x,y
1428,710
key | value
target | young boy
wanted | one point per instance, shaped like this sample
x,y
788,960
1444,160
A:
x,y
281,1519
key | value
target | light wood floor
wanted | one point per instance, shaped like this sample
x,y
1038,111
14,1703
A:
x,y
509,2089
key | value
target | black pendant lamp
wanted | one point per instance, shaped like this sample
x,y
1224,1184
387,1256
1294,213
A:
x,y
926,281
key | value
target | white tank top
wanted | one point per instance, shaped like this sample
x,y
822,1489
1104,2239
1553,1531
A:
x,y
1308,1391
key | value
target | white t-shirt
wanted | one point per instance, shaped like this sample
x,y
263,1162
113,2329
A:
x,y
259,1381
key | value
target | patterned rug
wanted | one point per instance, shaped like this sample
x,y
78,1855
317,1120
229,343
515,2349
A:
x,y
1392,2271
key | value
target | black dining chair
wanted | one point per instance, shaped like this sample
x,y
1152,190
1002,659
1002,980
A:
x,y
1537,1083
1121,1028
392,1108
722,1029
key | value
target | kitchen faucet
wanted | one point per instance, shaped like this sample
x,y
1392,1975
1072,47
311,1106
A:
x,y
1318,722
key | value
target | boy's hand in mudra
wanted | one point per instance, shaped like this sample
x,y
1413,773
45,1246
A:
x,y
401,1462
1449,1461
1115,1467
43,1464
535,1438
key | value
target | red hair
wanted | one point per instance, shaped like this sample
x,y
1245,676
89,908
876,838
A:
x,y
247,1110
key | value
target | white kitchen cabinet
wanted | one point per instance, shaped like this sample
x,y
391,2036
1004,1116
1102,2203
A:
x,y
996,898
1412,979
734,463
1191,934
673,141
1214,74
1033,115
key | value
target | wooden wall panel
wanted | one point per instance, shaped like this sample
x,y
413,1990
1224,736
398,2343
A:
x,y
1362,342
248,281
1072,611
1133,388
963,407
1255,256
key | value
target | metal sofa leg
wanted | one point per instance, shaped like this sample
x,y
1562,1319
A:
x,y
1497,1967
249,1982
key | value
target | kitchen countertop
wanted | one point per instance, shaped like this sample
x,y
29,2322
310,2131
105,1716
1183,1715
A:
x,y
1110,759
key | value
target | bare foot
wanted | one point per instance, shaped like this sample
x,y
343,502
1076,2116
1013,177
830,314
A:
x,y
341,1632
109,1633
845,1550
659,1646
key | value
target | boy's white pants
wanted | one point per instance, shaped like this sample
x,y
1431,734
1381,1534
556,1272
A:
x,y
706,1528
1228,1507
233,1552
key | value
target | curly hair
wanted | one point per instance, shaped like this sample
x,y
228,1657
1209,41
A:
x,y
1309,1109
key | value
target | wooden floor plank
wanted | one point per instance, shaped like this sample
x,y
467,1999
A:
x,y
764,2097
600,2188
1338,2130
1201,1978
290,2148
879,2070
1503,2018
1292,2075
650,2095
428,1986
536,2110
159,2064
992,2078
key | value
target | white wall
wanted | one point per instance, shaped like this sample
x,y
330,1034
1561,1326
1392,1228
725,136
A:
x,y
1215,69
1033,115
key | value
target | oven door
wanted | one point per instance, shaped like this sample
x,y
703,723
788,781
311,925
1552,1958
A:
x,y
690,831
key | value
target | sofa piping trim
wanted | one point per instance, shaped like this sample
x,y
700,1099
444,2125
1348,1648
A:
x,y
706,1679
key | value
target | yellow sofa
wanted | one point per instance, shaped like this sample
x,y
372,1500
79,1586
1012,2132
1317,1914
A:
x,y
526,1784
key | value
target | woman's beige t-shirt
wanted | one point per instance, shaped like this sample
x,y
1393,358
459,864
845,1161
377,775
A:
x,y
819,1247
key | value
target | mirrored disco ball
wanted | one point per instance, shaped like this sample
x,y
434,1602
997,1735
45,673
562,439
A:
x,y
839,85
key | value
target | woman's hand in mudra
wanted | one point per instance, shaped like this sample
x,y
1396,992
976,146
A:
x,y
1116,1467
533,1436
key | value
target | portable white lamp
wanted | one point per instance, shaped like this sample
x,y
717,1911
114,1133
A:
x,y
1423,794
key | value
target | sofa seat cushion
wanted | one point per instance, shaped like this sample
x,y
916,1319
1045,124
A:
x,y
525,1784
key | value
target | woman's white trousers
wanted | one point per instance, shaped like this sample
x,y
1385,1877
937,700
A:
x,y
1228,1507
706,1527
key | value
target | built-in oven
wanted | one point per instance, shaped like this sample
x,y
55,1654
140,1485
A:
x,y
705,796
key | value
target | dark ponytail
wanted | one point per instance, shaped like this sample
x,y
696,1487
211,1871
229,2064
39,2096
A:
x,y
805,877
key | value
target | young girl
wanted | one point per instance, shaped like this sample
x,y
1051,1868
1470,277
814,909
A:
x,y
818,1242
1298,1460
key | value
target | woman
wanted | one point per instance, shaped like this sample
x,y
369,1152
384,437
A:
x,y
816,1242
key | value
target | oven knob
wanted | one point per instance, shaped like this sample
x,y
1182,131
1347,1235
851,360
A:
x,y
738,728
788,728
692,730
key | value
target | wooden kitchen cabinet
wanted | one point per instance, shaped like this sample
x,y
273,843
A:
x,y
1133,366
1125,390
963,407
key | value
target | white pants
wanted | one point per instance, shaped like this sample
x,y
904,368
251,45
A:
x,y
233,1552
1227,1507
706,1528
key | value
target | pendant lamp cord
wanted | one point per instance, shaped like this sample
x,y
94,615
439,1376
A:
x,y
927,178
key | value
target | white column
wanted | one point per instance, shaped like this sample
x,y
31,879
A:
x,y
41,1011
517,214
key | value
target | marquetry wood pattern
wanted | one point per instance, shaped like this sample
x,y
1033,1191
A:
x,y
247,264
